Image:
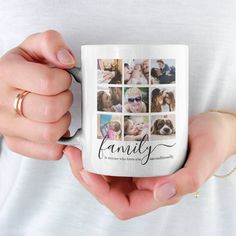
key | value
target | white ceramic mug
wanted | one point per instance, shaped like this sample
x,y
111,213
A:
x,y
134,109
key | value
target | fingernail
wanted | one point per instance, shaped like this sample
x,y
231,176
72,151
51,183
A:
x,y
65,57
164,192
85,176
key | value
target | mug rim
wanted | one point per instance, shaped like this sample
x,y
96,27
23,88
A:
x,y
136,45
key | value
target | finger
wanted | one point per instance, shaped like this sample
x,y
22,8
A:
x,y
41,108
123,205
47,108
22,127
34,150
48,46
33,77
120,196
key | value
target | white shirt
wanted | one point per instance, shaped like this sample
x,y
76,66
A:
x,y
42,197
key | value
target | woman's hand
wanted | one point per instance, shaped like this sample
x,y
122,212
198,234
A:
x,y
46,117
211,141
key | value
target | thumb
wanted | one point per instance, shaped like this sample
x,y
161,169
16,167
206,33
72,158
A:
x,y
203,160
48,47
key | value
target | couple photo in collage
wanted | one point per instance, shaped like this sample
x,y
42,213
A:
x,y
136,99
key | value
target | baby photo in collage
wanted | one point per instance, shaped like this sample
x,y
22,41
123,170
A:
x,y
136,100
109,99
163,127
109,71
136,71
162,71
136,128
163,99
109,126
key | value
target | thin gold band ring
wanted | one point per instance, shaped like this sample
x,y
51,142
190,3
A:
x,y
18,103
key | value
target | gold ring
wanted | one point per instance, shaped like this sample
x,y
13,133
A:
x,y
197,194
18,103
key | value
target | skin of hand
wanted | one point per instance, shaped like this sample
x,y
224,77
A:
x,y
36,65
211,141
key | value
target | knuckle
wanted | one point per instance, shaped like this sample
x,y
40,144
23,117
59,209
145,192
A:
x,y
57,157
68,119
69,82
70,97
46,82
123,216
51,111
49,35
53,131
12,145
55,154
50,133
124,213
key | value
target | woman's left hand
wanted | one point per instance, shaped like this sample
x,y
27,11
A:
x,y
211,141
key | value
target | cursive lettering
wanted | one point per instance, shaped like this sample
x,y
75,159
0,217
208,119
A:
x,y
139,147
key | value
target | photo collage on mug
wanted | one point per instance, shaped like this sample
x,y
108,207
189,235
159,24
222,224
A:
x,y
136,99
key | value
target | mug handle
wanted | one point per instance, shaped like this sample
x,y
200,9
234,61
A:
x,y
75,73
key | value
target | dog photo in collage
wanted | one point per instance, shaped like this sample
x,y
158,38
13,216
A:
x,y
163,127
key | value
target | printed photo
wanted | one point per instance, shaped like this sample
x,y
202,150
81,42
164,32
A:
x,y
162,127
163,99
109,99
136,71
136,128
136,100
109,126
109,71
163,71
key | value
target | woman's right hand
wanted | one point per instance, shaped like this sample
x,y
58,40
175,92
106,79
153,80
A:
x,y
36,65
